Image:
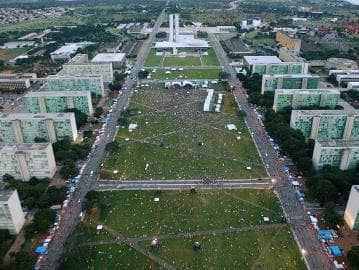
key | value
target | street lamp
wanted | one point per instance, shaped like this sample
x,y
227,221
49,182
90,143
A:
x,y
115,171
274,181
304,252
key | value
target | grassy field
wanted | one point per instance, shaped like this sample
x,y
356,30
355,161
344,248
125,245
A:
x,y
191,74
153,60
179,141
8,54
211,59
108,256
133,216
174,61
264,249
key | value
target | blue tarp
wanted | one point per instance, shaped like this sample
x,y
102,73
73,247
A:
x,y
40,250
335,250
325,234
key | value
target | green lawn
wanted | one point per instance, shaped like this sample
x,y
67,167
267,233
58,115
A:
x,y
211,59
178,61
135,217
264,249
108,256
191,74
8,54
153,60
179,141
134,213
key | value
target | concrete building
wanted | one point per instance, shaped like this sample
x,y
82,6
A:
x,y
351,214
273,65
288,41
116,59
92,83
299,98
340,154
326,124
289,81
177,41
226,28
56,102
343,77
12,217
287,55
24,161
66,51
251,23
80,66
16,81
25,127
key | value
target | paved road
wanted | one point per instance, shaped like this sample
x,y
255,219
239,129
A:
x,y
71,215
313,250
109,185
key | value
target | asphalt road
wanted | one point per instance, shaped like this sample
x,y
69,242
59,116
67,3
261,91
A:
x,y
110,185
312,249
70,216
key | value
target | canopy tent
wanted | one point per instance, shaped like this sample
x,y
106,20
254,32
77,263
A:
x,y
40,250
335,250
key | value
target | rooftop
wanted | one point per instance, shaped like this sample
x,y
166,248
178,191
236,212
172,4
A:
x,y
70,48
24,147
108,57
325,112
290,76
256,60
69,77
40,116
5,194
339,143
308,91
58,94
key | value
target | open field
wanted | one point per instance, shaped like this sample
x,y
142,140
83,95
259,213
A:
x,y
262,249
8,54
211,59
228,224
153,60
178,61
190,74
179,141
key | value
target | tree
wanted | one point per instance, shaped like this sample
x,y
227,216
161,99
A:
x,y
223,75
88,133
69,169
112,147
353,257
142,74
81,118
324,191
161,35
2,63
43,219
98,112
8,177
331,217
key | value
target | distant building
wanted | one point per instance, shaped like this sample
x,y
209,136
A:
x,y
226,28
12,217
24,161
344,77
302,98
351,214
57,102
287,55
25,127
16,81
251,23
66,51
177,41
299,81
326,124
80,66
290,42
340,154
92,83
116,59
273,65
305,12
